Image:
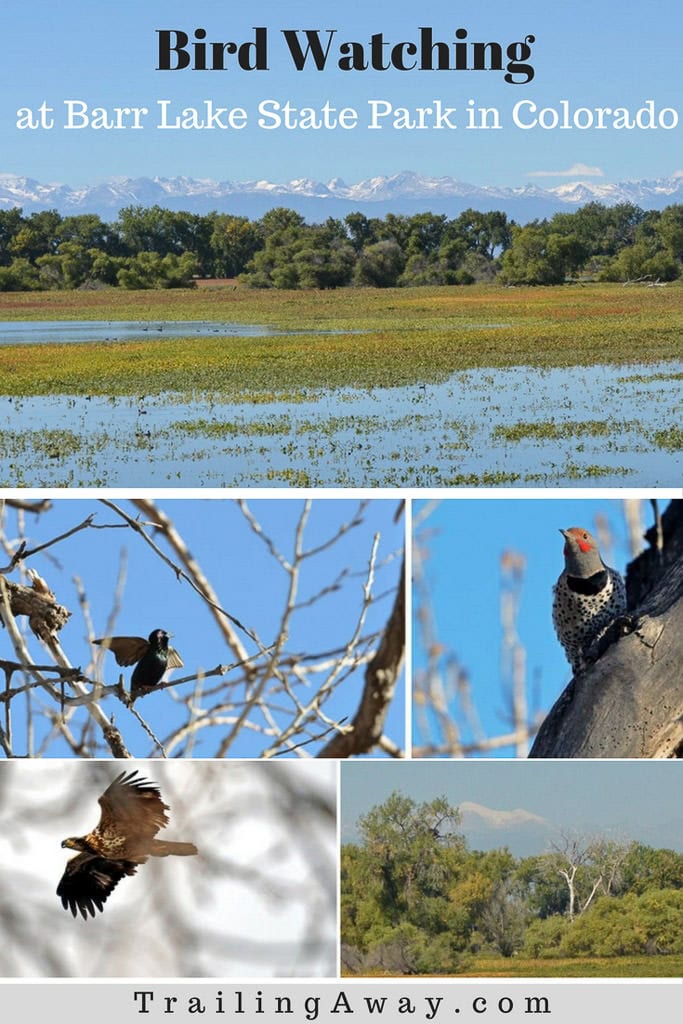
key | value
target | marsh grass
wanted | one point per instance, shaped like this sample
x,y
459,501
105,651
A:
x,y
671,440
549,430
415,335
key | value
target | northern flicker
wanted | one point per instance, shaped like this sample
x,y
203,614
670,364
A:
x,y
587,597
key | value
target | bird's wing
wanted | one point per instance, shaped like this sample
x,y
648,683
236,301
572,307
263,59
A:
x,y
126,649
87,882
174,659
132,812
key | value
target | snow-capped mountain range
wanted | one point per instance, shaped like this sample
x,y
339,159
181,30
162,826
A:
x,y
405,192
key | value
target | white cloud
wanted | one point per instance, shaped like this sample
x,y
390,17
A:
x,y
576,170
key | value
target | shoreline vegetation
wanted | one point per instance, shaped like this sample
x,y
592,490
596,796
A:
x,y
382,337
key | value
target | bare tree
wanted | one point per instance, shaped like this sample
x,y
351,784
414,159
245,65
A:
x,y
286,701
444,699
589,865
629,703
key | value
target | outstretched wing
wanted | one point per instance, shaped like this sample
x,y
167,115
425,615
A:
x,y
87,882
132,814
126,649
174,659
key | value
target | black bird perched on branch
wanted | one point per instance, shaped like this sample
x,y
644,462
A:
x,y
151,657
132,814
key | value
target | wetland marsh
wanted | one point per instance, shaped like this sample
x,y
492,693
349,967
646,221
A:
x,y
478,386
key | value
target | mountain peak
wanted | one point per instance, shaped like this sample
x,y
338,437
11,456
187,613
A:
x,y
402,192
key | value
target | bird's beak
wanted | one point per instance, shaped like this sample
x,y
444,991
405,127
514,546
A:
x,y
564,534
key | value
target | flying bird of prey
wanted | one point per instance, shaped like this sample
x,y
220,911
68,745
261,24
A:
x,y
151,657
132,814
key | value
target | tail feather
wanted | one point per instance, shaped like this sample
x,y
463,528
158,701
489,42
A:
x,y
163,848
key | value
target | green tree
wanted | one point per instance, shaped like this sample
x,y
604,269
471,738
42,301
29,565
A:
x,y
90,232
279,221
322,261
635,924
504,918
150,270
540,256
19,276
544,936
37,236
601,230
488,234
642,260
380,264
669,228
396,912
234,241
361,230
646,868
69,268
10,223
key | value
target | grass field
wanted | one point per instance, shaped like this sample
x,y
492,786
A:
x,y
574,967
480,386
579,967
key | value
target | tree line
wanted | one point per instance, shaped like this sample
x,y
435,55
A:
x,y
416,900
153,247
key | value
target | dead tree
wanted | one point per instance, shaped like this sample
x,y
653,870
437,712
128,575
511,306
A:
x,y
629,703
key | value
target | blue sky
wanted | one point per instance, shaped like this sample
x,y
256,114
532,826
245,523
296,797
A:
x,y
622,800
250,583
106,56
464,539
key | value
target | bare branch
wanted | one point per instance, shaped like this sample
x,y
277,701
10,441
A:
x,y
381,677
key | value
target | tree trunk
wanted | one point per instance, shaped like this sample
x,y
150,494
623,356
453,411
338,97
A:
x,y
629,703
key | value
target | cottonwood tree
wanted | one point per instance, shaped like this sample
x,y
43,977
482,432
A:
x,y
589,865
396,915
329,702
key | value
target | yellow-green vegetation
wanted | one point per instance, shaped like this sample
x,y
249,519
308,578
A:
x,y
551,431
564,967
434,907
416,335
671,439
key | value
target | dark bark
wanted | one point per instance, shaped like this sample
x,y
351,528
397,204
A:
x,y
381,677
629,703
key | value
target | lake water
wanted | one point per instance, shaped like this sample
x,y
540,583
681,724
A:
x,y
607,420
71,332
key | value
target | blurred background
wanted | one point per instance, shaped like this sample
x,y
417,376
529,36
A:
x,y
258,901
